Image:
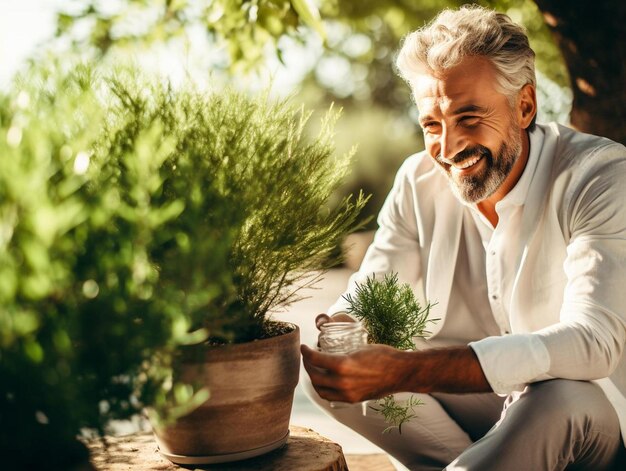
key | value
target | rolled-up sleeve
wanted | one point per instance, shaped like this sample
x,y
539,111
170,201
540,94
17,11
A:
x,y
526,360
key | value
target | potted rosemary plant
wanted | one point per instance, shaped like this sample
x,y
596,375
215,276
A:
x,y
148,233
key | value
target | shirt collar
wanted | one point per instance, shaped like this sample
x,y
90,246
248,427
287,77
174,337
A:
x,y
519,193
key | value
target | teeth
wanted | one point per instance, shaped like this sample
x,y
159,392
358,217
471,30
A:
x,y
467,163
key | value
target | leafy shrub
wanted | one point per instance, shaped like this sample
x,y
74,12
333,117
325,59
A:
x,y
135,218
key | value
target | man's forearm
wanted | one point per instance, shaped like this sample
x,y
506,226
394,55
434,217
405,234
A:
x,y
378,370
451,370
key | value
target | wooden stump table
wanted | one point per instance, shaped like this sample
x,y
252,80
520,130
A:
x,y
305,450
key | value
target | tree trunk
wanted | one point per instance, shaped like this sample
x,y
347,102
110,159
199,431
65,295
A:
x,y
305,450
592,38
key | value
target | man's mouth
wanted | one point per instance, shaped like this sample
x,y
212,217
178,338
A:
x,y
467,163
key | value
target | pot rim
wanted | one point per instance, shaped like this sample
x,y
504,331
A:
x,y
189,352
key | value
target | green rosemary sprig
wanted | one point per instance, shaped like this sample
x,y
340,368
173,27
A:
x,y
394,413
390,312
392,316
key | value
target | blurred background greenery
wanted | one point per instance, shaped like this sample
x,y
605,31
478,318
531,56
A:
x,y
318,51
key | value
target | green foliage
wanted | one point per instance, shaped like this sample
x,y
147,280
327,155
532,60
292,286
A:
x,y
273,188
248,30
79,334
354,67
395,414
390,312
136,218
385,138
392,316
245,28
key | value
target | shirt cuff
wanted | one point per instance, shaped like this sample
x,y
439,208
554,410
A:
x,y
511,362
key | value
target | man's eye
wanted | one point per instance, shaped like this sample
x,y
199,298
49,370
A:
x,y
430,126
469,120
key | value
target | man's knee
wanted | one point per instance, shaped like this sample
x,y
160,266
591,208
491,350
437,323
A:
x,y
550,425
562,402
571,414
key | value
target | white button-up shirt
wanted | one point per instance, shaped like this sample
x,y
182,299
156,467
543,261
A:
x,y
543,294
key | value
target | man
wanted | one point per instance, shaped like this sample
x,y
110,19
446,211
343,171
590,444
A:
x,y
518,232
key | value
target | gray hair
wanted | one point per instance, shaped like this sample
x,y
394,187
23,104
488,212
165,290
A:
x,y
470,31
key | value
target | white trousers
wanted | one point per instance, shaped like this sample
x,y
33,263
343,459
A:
x,y
551,425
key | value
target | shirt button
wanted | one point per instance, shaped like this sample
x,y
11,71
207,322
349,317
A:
x,y
493,252
494,297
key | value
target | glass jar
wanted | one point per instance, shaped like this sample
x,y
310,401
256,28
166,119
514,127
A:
x,y
342,337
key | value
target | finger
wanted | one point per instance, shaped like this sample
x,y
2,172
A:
x,y
330,394
320,377
327,361
321,319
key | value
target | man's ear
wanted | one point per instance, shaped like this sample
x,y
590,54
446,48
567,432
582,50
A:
x,y
526,105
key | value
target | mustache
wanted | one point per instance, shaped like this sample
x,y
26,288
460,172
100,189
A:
x,y
476,151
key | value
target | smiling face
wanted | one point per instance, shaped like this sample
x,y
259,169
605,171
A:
x,y
471,130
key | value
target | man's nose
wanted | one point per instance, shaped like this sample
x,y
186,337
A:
x,y
451,143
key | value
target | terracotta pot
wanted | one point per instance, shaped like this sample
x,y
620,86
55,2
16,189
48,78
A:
x,y
247,414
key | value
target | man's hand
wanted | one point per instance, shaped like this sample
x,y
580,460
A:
x,y
378,370
369,373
